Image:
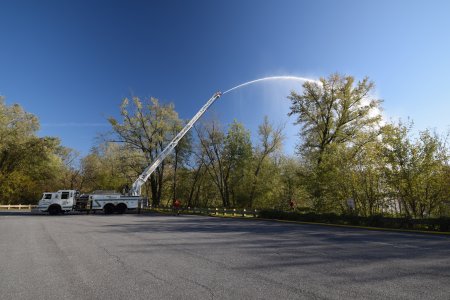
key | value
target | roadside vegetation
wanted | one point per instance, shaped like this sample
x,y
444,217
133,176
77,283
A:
x,y
349,161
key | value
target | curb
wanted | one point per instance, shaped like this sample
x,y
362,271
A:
x,y
362,227
323,224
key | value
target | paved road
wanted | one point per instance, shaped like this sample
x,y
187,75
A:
x,y
190,257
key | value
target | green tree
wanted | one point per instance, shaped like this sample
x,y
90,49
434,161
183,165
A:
x,y
293,178
109,166
335,114
147,126
360,176
71,176
226,158
271,140
181,154
416,170
28,164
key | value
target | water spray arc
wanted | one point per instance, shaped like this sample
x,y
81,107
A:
x,y
295,78
136,187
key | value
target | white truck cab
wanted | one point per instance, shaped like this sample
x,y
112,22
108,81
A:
x,y
58,202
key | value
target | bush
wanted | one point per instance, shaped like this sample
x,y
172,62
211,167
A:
x,y
438,224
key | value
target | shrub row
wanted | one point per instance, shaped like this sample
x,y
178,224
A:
x,y
432,224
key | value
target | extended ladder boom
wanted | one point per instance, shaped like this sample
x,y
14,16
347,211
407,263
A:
x,y
136,187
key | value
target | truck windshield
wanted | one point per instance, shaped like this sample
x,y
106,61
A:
x,y
47,196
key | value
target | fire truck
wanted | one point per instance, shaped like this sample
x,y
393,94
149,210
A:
x,y
110,202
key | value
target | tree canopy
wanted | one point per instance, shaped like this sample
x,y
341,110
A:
x,y
349,159
28,163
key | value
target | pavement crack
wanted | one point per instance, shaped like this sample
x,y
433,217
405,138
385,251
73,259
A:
x,y
205,287
114,257
154,275
122,263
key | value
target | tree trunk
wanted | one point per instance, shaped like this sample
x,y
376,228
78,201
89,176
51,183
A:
x,y
175,167
154,187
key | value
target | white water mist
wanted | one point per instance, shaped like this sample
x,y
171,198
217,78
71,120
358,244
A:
x,y
302,79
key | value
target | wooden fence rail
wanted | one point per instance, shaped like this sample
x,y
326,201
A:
x,y
17,206
210,211
193,210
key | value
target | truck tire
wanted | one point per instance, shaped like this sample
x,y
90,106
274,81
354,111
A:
x,y
121,208
108,209
54,209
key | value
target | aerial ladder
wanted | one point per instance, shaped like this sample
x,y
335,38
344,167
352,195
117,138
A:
x,y
137,185
109,201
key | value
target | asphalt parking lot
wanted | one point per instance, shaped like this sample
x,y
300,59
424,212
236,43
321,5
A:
x,y
194,257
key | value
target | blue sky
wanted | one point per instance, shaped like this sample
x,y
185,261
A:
x,y
71,62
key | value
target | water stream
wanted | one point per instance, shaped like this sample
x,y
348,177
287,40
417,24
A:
x,y
302,79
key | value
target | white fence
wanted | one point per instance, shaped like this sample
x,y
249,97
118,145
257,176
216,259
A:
x,y
17,206
192,210
211,211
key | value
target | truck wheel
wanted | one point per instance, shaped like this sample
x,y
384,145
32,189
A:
x,y
54,210
121,208
108,209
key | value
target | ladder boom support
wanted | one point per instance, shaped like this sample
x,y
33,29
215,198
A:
x,y
136,187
